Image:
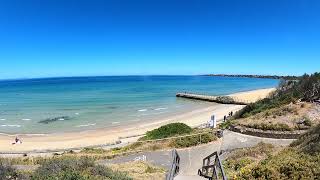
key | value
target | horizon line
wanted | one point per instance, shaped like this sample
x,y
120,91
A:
x,y
84,76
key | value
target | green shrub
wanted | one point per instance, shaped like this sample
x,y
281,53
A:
x,y
237,164
309,142
306,88
300,161
307,121
273,127
70,168
226,124
7,172
288,164
93,150
168,130
150,169
190,141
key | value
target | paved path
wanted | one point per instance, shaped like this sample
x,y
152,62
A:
x,y
233,140
191,158
158,158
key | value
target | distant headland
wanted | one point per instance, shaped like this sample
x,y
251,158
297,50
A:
x,y
255,76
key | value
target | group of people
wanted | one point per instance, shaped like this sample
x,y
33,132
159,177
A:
x,y
226,117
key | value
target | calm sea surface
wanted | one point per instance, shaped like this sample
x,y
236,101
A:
x,y
72,104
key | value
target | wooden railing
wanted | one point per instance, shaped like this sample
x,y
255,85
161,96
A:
x,y
212,168
175,166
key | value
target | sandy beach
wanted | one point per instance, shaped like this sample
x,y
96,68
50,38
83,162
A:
x,y
253,96
107,135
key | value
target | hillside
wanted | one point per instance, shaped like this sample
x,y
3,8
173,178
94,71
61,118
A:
x,y
293,106
300,161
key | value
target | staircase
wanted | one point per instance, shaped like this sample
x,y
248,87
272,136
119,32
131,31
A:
x,y
211,168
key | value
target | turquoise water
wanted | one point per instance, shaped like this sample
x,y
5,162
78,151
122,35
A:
x,y
72,104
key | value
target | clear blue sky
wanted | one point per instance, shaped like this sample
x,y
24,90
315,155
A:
x,y
47,38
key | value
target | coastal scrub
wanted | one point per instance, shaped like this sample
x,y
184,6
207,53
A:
x,y
168,130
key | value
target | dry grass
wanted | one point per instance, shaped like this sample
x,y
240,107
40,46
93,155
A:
x,y
300,161
246,158
140,170
289,116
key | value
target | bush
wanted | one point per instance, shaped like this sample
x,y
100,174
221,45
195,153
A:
x,y
309,142
273,127
93,150
237,164
300,161
306,88
70,168
7,172
288,164
190,141
307,121
241,160
168,130
226,125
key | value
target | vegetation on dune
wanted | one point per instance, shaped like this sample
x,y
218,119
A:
x,y
71,168
273,127
141,170
288,164
7,172
306,88
190,141
66,168
298,116
242,159
300,161
168,130
309,142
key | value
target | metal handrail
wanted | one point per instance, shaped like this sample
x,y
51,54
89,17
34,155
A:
x,y
175,166
208,167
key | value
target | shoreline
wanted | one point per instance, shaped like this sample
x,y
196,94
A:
x,y
104,136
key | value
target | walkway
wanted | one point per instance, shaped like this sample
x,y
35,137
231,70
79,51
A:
x,y
191,158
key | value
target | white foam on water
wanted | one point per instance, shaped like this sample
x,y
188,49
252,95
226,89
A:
x,y
2,119
162,108
76,113
61,119
10,125
35,134
86,125
115,123
143,110
136,120
26,119
153,113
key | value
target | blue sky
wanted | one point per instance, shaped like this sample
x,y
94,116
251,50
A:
x,y
141,37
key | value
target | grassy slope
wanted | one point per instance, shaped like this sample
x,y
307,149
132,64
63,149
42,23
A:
x,y
300,161
286,118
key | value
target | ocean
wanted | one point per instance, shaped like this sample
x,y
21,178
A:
x,y
54,105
